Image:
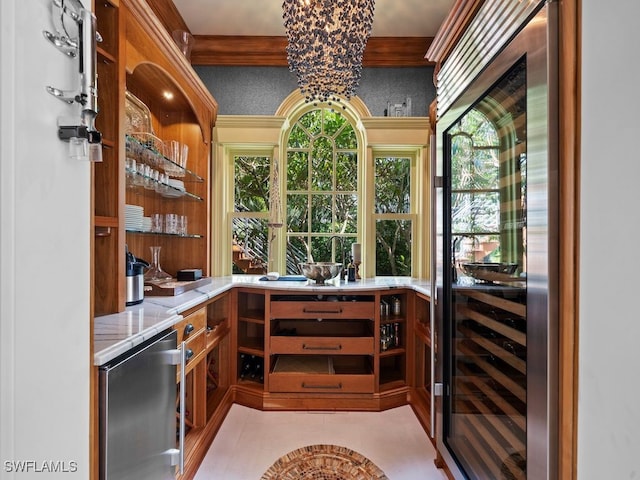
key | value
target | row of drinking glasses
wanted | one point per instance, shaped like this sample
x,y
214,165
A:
x,y
169,223
143,175
153,153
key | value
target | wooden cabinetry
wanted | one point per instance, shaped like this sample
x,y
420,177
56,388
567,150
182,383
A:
x,y
108,192
346,351
421,395
248,336
205,333
138,56
321,344
393,347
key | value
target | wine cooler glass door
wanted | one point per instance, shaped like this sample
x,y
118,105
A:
x,y
497,251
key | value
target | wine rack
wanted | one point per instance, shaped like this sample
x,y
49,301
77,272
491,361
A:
x,y
392,347
250,334
489,385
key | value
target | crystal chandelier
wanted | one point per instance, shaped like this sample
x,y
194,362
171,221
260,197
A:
x,y
327,39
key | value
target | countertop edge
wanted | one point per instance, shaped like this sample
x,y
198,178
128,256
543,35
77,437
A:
x,y
117,333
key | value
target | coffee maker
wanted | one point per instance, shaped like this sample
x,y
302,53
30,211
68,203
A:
x,y
134,268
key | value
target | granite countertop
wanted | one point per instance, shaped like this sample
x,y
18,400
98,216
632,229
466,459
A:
x,y
118,333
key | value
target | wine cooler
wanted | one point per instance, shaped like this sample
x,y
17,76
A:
x,y
496,282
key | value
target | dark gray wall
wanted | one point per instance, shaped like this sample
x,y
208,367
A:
x,y
261,90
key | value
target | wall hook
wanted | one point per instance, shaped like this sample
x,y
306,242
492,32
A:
x,y
76,36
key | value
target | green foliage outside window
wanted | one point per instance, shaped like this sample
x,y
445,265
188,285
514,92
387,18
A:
x,y
251,202
393,198
321,188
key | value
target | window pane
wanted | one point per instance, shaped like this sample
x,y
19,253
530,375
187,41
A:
x,y
249,245
393,185
321,213
297,171
346,214
393,247
312,121
347,138
296,253
333,121
297,213
251,183
321,249
298,138
346,168
322,164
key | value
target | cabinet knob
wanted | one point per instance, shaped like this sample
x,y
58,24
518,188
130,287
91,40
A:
x,y
188,328
188,354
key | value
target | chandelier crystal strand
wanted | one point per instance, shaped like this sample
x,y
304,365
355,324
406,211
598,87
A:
x,y
326,43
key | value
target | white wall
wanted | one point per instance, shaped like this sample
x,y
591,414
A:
x,y
44,256
609,408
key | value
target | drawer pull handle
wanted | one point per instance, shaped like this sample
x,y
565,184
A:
x,y
188,329
322,310
334,387
320,347
188,354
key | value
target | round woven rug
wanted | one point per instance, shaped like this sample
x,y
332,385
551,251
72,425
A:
x,y
323,462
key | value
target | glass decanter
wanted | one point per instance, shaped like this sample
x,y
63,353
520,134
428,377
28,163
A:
x,y
155,271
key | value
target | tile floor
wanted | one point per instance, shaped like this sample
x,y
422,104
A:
x,y
250,441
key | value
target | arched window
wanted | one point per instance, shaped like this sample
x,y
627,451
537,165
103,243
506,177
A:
x,y
321,189
333,184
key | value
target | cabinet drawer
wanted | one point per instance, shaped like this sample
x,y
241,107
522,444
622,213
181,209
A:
x,y
195,345
323,345
320,383
322,309
191,325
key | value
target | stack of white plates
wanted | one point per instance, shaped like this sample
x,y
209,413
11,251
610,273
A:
x,y
146,224
177,189
133,215
179,184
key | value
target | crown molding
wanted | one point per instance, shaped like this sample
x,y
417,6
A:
x,y
236,50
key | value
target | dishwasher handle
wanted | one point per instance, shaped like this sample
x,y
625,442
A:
x,y
183,364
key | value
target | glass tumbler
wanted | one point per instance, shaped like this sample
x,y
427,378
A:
x,y
182,225
157,220
171,223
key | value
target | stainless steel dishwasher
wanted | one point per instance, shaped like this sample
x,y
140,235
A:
x,y
138,412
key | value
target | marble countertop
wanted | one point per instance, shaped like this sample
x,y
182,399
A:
x,y
118,333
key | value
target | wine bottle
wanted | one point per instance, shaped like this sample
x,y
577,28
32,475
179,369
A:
x,y
245,367
257,370
396,336
252,366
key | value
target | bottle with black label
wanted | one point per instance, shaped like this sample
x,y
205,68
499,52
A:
x,y
351,271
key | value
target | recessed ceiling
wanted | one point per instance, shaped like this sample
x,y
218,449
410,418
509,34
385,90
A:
x,y
392,18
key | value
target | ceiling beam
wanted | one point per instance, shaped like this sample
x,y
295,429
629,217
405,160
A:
x,y
234,50
227,50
